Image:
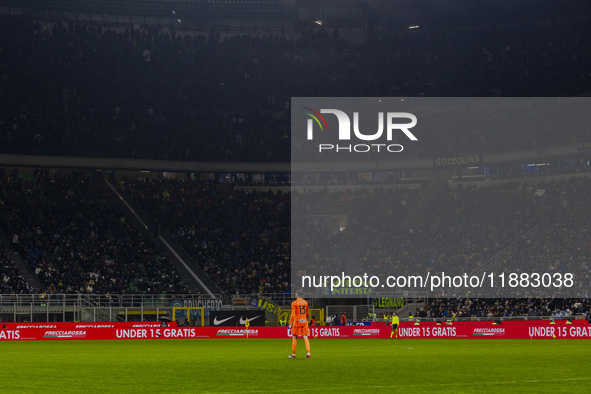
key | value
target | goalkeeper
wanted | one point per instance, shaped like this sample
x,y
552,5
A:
x,y
298,323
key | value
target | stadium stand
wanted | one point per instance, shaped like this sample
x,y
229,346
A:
x,y
77,242
241,240
469,225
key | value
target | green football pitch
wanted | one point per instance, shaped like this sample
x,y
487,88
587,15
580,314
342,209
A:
x,y
259,365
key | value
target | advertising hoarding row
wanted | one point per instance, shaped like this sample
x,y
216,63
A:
x,y
460,330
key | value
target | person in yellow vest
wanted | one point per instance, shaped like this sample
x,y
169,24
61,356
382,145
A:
x,y
395,323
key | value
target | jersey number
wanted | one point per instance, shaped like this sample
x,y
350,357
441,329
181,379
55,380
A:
x,y
302,310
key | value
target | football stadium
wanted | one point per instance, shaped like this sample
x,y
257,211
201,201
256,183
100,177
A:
x,y
240,196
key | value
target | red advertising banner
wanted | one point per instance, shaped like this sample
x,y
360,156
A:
x,y
36,334
113,331
76,325
578,329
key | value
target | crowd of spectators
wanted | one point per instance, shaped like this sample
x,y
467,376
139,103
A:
x,y
178,205
11,280
565,246
469,225
74,89
558,308
466,226
240,239
76,241
323,247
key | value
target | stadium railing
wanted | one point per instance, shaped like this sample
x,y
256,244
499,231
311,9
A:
x,y
100,300
577,316
278,299
97,308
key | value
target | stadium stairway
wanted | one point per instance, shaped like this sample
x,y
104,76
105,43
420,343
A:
x,y
19,262
410,309
190,273
164,243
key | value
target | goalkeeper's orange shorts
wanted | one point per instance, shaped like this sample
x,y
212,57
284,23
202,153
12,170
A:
x,y
300,330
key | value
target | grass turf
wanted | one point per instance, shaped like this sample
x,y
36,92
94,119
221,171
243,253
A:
x,y
259,365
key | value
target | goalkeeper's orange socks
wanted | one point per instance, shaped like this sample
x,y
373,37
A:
x,y
294,345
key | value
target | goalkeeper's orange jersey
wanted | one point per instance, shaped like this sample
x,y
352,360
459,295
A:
x,y
299,313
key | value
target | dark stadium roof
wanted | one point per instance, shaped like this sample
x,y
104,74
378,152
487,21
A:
x,y
449,13
213,9
428,13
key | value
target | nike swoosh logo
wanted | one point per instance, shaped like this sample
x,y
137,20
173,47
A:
x,y
217,322
242,321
